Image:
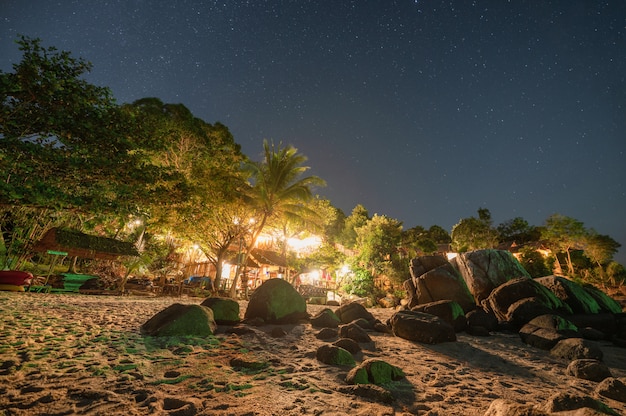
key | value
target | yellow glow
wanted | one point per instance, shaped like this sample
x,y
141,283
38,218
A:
x,y
305,244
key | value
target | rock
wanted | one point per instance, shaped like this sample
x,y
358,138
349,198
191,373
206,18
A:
x,y
607,304
613,388
277,302
327,333
225,310
363,323
503,407
543,338
353,311
562,402
181,320
443,283
576,348
354,332
571,293
588,369
603,322
545,331
483,319
411,296
525,310
448,310
325,319
421,327
484,270
388,301
333,355
278,332
504,296
555,322
348,344
424,264
368,391
374,371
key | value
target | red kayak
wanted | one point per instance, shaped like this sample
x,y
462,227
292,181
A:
x,y
15,277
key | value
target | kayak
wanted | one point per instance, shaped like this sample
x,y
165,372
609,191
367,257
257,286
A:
x,y
11,288
15,277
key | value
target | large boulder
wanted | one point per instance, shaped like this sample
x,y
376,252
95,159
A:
x,y
276,302
181,320
546,331
353,311
577,348
443,283
225,310
484,270
507,294
589,369
582,299
448,310
424,264
421,327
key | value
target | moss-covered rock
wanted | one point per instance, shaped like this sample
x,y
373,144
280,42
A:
x,y
181,320
374,371
225,310
276,301
333,355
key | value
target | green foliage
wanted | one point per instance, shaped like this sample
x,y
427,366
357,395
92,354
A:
x,y
377,242
534,263
361,284
66,143
474,233
358,218
564,234
518,230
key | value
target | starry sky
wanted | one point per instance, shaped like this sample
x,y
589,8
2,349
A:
x,y
421,110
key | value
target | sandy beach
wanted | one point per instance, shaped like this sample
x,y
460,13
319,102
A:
x,y
76,354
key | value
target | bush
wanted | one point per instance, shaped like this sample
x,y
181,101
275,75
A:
x,y
361,284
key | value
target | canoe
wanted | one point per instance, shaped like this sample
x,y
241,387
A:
x,y
11,288
15,277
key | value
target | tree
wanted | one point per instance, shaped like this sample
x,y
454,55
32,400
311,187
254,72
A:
x,y
65,143
277,190
377,243
474,233
439,235
600,248
518,230
564,234
356,219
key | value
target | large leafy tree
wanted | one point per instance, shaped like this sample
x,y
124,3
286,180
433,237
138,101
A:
x,y
357,218
474,233
518,230
563,234
278,190
65,143
377,244
600,248
207,161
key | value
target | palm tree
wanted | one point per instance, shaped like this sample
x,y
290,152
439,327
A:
x,y
277,190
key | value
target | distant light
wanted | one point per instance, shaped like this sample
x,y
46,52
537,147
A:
x,y
451,255
305,244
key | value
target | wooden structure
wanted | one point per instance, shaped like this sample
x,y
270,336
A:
x,y
78,244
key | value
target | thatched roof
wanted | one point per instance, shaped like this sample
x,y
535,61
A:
x,y
78,244
268,257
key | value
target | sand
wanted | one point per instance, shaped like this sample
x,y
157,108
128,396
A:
x,y
78,354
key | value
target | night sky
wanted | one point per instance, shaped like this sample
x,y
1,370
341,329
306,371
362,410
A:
x,y
422,110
